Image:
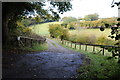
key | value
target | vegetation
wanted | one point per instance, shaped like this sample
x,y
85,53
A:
x,y
16,11
36,47
91,17
57,31
97,66
67,20
109,22
91,36
100,67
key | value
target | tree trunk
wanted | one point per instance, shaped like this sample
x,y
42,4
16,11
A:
x,y
5,31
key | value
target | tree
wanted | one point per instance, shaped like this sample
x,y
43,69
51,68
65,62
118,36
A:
x,y
56,30
91,17
67,20
14,11
38,19
115,34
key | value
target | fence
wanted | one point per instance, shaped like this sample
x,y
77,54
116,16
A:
x,y
26,41
103,49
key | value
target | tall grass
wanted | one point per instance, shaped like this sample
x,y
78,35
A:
x,y
92,36
37,47
96,32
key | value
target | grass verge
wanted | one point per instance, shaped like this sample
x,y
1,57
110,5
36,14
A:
x,y
100,67
37,47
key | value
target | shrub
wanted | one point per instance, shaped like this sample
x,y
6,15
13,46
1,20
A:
x,y
102,40
55,30
83,38
58,31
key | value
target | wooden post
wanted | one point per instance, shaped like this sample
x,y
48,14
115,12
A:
x,y
75,46
62,41
71,44
80,46
86,48
66,43
93,48
103,50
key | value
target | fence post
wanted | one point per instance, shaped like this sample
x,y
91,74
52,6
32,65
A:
x,y
80,46
103,50
75,46
86,48
71,44
62,41
66,43
93,48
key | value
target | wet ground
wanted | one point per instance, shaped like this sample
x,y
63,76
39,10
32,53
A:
x,y
56,62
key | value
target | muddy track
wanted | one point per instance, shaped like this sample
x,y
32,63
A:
x,y
56,62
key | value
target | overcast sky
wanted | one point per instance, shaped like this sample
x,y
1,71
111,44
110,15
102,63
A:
x,y
85,7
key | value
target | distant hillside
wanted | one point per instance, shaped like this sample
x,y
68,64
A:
x,y
42,29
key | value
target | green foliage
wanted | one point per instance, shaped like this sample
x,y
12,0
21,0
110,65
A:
x,y
25,22
115,34
67,20
107,22
92,36
102,40
38,19
65,35
15,11
99,68
56,30
36,47
91,17
83,38
96,66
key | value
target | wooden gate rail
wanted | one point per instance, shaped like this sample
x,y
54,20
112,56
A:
x,y
26,41
104,47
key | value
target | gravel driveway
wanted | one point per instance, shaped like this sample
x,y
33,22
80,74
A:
x,y
56,62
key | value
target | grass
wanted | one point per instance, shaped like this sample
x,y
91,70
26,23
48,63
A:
x,y
37,47
42,29
95,32
54,45
100,67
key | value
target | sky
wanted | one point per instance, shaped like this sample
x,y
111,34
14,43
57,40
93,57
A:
x,y
85,7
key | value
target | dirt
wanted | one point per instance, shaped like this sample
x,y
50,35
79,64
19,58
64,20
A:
x,y
56,62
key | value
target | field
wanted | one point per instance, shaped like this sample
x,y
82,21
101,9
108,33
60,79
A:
x,y
42,29
95,32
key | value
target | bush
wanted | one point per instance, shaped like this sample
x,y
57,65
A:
x,y
87,38
55,30
58,31
102,40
